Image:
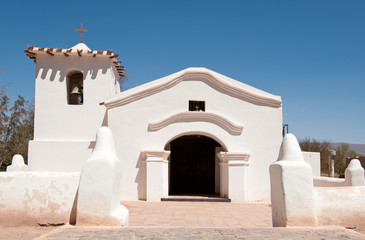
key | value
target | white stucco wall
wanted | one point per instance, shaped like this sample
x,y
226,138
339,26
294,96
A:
x,y
329,182
292,198
354,176
58,156
340,205
296,202
314,159
60,123
36,197
261,135
244,120
98,194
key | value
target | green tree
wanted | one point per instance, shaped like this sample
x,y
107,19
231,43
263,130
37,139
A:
x,y
342,152
16,129
313,145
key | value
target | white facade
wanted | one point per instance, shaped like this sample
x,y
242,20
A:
x,y
64,134
244,122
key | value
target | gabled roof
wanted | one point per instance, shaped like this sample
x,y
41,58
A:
x,y
220,81
78,50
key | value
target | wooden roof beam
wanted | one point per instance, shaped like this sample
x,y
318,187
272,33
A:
x,y
50,53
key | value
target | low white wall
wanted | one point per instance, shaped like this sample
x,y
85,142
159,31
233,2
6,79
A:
x,y
354,176
295,202
36,197
328,182
314,159
340,205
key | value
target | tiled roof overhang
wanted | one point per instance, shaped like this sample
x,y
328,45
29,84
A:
x,y
32,51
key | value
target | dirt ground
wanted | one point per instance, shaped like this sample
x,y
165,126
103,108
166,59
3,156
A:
x,y
23,232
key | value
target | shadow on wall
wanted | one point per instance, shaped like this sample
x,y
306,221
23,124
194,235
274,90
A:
x,y
73,214
141,178
91,145
53,71
105,120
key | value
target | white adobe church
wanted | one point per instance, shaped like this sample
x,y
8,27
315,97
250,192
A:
x,y
192,132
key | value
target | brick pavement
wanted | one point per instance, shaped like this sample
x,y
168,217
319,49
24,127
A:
x,y
198,214
202,220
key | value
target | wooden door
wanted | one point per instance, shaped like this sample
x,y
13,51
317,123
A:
x,y
192,165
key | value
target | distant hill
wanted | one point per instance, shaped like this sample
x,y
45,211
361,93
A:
x,y
359,148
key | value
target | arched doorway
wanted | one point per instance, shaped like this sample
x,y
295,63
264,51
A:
x,y
193,166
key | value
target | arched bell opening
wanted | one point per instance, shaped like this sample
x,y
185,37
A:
x,y
75,88
194,165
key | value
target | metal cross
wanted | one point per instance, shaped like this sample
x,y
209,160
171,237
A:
x,y
81,31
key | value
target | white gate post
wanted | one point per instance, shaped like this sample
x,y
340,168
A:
x,y
234,175
156,174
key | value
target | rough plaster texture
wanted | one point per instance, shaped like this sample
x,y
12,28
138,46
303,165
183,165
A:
x,y
17,164
98,195
340,205
36,197
292,197
295,202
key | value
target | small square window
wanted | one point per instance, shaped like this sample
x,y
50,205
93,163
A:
x,y
197,106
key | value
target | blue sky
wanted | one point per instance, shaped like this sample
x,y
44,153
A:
x,y
311,53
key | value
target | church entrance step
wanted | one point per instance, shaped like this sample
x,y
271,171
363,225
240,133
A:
x,y
189,198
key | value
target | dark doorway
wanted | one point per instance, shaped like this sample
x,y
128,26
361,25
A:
x,y
192,165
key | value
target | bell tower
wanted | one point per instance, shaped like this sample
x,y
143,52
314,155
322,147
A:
x,y
70,84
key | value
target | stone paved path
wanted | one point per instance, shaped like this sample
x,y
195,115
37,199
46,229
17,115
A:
x,y
202,220
110,233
